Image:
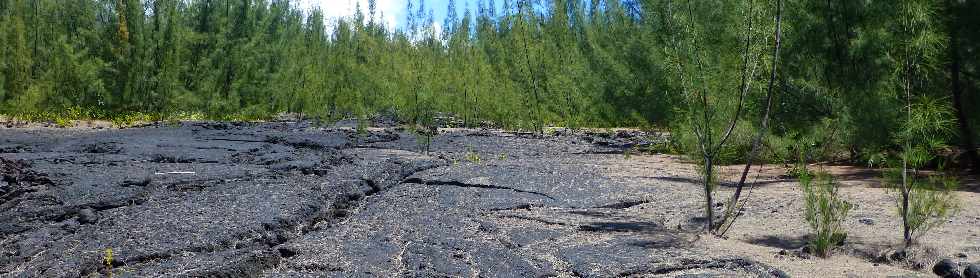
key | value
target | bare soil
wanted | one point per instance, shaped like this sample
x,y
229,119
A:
x,y
771,228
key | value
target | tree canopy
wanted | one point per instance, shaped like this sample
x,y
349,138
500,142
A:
x,y
532,63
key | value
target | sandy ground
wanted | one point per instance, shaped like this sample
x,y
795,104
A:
x,y
773,220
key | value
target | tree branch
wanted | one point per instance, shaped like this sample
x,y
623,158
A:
x,y
765,122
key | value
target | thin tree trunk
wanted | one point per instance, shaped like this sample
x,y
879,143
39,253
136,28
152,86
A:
x,y
906,186
907,231
534,86
37,26
747,74
569,107
476,93
418,82
709,208
757,141
955,68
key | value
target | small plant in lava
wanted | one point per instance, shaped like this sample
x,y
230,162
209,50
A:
x,y
472,156
424,130
107,260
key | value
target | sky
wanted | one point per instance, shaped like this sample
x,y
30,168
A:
x,y
393,10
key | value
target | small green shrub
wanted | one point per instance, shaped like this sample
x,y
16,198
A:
x,y
423,136
824,210
931,200
934,205
778,149
683,140
925,200
822,141
129,119
63,122
362,126
803,147
107,260
472,156
69,115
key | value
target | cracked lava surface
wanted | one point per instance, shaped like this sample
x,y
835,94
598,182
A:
x,y
287,199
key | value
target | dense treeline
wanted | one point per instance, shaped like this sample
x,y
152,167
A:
x,y
553,62
529,64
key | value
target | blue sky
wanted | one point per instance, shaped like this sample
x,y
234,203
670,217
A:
x,y
393,10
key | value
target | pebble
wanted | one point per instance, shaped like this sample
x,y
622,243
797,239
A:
x,y
779,273
946,268
972,271
867,221
897,256
87,216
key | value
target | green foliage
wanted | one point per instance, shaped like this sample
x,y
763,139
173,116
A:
x,y
713,180
684,140
424,131
130,119
820,142
825,210
24,105
472,156
934,204
803,148
715,82
362,125
570,63
931,200
926,121
535,65
107,261
924,201
929,124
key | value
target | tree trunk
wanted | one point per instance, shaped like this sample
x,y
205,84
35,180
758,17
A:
x,y
906,194
955,67
709,207
906,180
35,67
757,141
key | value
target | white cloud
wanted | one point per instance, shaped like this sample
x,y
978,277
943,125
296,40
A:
x,y
334,9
